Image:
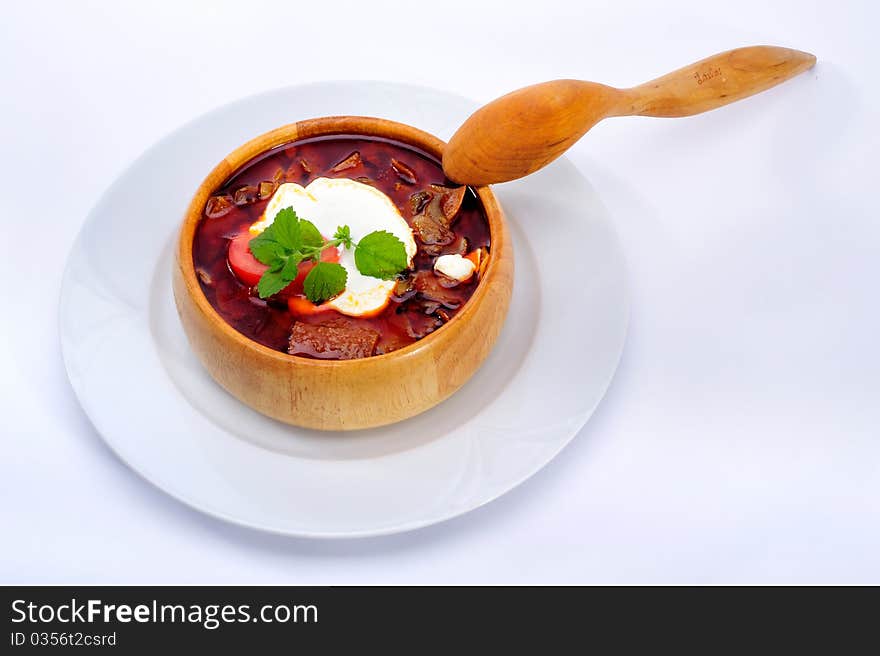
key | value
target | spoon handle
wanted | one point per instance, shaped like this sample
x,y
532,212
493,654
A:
x,y
713,82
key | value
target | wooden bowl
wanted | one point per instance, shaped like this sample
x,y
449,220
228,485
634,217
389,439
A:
x,y
346,394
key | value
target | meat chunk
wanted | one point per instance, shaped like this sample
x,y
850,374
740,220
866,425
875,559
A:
x,y
431,232
205,276
218,206
246,195
434,214
404,172
418,201
338,339
349,162
459,246
267,188
451,199
430,287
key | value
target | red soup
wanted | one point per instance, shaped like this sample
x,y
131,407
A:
x,y
445,221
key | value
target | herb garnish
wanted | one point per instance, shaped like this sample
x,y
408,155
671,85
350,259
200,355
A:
x,y
290,240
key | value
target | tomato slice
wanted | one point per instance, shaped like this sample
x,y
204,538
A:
x,y
244,265
249,269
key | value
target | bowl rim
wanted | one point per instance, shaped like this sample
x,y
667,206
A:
x,y
291,133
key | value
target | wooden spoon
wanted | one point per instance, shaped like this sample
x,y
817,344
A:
x,y
527,129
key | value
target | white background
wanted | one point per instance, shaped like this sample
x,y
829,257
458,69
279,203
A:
x,y
740,440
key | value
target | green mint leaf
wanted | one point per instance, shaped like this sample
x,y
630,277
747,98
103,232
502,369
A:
x,y
381,255
309,234
282,271
343,234
281,238
325,280
266,249
280,247
286,230
290,270
271,283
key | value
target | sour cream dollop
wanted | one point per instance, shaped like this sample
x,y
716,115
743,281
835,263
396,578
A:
x,y
333,202
455,267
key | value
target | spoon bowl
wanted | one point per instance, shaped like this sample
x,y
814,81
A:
x,y
525,130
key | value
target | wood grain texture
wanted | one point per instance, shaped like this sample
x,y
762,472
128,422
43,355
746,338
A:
x,y
714,82
527,129
352,394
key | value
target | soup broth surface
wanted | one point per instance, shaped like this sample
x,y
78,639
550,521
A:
x,y
423,300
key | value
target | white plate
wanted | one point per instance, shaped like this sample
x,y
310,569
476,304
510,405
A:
x,y
149,398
